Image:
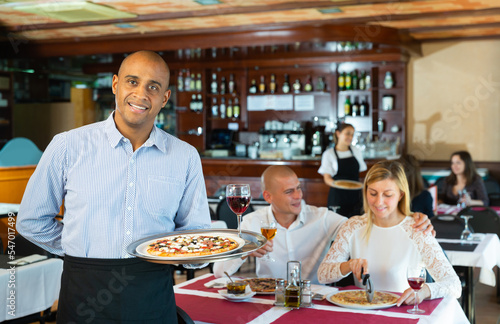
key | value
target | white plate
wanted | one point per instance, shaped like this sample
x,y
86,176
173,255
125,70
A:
x,y
142,248
237,298
446,218
336,185
360,306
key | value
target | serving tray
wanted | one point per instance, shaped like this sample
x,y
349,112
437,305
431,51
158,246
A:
x,y
253,242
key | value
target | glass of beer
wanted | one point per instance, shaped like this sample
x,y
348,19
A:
x,y
268,230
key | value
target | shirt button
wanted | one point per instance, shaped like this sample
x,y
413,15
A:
x,y
132,161
131,184
128,232
129,208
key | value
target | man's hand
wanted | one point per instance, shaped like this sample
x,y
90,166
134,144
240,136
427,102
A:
x,y
266,248
422,223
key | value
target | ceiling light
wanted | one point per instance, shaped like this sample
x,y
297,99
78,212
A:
x,y
72,12
330,10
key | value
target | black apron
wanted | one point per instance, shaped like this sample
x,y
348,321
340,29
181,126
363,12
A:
x,y
349,201
104,291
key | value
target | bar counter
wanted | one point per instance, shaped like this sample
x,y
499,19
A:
x,y
222,171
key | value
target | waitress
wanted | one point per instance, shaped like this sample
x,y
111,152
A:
x,y
343,162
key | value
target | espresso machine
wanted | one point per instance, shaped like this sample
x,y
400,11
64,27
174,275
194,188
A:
x,y
281,140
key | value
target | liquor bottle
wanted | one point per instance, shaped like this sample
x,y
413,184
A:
x,y
368,81
230,85
262,84
286,85
363,107
215,108
200,103
354,80
292,291
297,86
192,103
272,84
355,107
380,125
236,108
213,84
341,81
180,82
222,108
347,106
198,82
321,86
192,83
308,87
388,81
253,87
348,81
229,110
223,85
187,81
362,83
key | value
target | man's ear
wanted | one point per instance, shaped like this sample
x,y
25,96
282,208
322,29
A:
x,y
267,196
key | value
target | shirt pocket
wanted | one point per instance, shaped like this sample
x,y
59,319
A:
x,y
163,195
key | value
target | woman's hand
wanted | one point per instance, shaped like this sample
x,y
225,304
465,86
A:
x,y
422,223
408,297
355,266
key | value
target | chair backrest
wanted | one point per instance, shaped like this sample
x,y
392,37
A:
x,y
19,151
494,198
439,183
183,317
448,226
226,214
485,219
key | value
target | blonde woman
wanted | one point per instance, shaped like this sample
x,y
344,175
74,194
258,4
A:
x,y
383,243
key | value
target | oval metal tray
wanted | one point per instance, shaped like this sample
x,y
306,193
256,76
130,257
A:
x,y
253,241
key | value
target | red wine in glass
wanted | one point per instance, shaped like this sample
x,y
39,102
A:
x,y
416,283
238,204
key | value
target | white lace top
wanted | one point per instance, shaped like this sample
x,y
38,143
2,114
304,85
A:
x,y
389,250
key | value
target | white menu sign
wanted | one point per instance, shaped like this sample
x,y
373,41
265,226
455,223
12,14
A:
x,y
304,103
272,102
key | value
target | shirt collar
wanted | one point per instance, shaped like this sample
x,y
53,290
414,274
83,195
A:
x,y
299,221
115,137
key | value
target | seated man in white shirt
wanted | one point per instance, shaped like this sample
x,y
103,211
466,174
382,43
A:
x,y
304,232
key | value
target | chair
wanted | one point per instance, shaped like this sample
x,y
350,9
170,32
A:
x,y
494,198
492,186
183,317
19,151
448,226
439,183
226,214
485,219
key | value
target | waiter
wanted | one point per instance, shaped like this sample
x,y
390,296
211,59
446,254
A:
x,y
343,162
122,179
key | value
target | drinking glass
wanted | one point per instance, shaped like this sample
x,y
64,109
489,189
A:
x,y
466,233
334,208
268,230
238,199
416,279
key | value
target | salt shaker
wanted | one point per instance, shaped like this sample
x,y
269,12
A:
x,y
306,296
279,293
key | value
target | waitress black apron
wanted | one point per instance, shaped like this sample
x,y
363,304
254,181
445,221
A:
x,y
104,291
349,201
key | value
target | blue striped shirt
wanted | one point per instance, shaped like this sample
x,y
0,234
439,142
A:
x,y
112,195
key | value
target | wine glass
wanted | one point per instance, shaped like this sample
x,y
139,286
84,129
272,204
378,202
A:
x,y
334,208
268,230
416,279
466,233
238,199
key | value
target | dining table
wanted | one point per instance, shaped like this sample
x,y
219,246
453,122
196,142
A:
x,y
206,305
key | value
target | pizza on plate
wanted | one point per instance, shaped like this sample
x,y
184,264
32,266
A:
x,y
191,245
262,285
358,298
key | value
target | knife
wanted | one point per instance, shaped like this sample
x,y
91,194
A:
x,y
368,286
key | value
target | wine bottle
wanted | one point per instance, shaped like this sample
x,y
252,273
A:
x,y
230,85
348,81
198,82
361,83
222,108
262,84
308,87
213,84
187,81
253,87
192,103
222,85
272,84
215,108
363,107
180,82
354,79
347,106
200,103
192,83
236,108
355,107
341,81
229,110
286,85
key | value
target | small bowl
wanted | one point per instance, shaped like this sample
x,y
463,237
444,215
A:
x,y
236,288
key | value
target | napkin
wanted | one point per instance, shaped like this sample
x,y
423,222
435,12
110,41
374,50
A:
x,y
28,259
219,282
320,292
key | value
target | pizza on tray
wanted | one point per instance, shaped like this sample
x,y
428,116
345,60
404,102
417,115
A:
x,y
348,184
191,245
262,285
358,298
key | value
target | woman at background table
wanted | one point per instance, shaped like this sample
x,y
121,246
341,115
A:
x,y
343,162
383,243
421,199
464,176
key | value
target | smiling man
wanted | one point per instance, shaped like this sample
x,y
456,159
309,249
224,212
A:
x,y
304,232
121,180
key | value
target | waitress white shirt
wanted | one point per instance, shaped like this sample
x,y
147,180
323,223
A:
x,y
389,251
306,240
330,165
